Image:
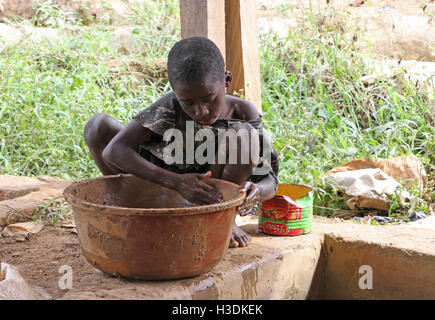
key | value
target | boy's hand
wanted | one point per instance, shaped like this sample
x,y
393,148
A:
x,y
252,197
193,187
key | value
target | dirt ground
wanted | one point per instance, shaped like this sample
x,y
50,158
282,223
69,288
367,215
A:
x,y
394,29
40,257
54,245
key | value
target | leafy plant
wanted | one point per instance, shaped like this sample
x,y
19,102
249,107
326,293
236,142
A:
x,y
49,14
53,211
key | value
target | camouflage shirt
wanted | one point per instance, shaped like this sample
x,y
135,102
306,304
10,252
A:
x,y
166,113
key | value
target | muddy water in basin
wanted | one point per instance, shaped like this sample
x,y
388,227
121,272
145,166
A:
x,y
137,229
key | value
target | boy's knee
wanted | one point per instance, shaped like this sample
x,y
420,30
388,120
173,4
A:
x,y
95,128
245,132
247,144
242,126
247,135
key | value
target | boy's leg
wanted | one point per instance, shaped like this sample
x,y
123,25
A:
x,y
98,132
238,172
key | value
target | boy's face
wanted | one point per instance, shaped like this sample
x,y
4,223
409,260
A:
x,y
202,100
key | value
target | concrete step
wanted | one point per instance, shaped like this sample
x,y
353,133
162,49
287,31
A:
x,y
335,261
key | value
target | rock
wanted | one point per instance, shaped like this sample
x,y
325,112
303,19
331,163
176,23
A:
x,y
22,208
280,27
16,235
13,186
404,6
417,72
14,287
272,4
368,182
6,233
10,34
356,3
393,29
22,195
12,8
71,227
32,227
125,41
117,10
365,188
394,34
68,226
89,10
408,169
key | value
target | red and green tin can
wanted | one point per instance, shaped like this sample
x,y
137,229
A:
x,y
289,213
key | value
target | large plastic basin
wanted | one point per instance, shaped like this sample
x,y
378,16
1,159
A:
x,y
138,229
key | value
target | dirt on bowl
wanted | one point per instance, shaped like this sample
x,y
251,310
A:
x,y
138,229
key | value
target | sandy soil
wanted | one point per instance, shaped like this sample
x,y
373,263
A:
x,y
395,29
40,258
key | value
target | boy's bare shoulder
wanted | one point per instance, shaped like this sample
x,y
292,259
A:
x,y
243,109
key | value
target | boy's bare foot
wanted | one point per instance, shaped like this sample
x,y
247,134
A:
x,y
239,238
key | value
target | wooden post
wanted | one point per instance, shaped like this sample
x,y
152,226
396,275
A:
x,y
242,54
204,18
232,25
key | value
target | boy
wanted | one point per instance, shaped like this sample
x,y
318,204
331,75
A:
x,y
197,75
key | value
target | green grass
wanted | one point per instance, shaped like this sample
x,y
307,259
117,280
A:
x,y
49,90
314,103
322,114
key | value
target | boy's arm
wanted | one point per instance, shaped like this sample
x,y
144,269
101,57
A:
x,y
266,188
122,153
260,191
263,188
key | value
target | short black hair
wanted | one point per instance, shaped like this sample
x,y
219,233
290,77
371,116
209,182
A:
x,y
192,59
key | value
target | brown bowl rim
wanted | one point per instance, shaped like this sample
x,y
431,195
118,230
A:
x,y
125,211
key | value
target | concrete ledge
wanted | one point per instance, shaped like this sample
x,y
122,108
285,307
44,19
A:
x,y
270,268
322,264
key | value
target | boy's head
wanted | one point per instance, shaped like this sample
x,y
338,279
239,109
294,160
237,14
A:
x,y
196,72
193,59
